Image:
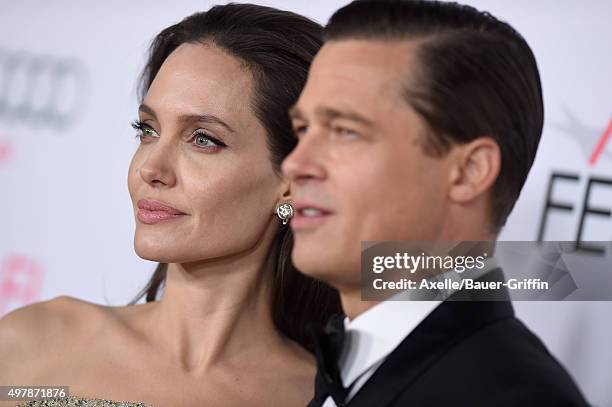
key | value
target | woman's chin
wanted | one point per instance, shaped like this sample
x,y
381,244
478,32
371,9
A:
x,y
155,253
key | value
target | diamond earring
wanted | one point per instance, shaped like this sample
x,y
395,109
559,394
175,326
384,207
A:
x,y
284,212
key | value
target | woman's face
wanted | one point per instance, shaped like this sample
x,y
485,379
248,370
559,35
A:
x,y
204,153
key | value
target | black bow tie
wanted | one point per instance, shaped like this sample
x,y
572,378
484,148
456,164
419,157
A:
x,y
328,348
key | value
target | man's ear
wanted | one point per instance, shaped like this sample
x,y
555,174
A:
x,y
475,169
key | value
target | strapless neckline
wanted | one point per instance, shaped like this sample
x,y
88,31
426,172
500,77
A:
x,y
80,402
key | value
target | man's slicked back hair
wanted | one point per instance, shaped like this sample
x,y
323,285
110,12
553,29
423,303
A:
x,y
476,76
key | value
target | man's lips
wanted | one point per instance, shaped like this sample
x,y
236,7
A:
x,y
309,215
151,211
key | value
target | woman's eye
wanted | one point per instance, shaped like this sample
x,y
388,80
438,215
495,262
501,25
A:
x,y
203,140
143,130
149,132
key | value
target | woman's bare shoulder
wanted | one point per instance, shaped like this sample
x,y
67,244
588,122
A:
x,y
26,322
50,316
28,333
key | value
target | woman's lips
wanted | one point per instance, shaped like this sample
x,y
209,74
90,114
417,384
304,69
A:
x,y
151,211
151,217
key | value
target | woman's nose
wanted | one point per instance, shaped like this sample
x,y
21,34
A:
x,y
158,168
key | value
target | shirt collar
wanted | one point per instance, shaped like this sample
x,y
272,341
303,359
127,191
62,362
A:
x,y
374,334
371,336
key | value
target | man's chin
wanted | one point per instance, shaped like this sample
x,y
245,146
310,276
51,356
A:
x,y
315,272
319,268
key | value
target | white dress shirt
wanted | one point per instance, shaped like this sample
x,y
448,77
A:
x,y
374,334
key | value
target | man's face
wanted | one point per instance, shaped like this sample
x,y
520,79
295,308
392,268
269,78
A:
x,y
359,172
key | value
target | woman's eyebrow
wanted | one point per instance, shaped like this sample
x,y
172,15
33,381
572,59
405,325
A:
x,y
204,118
147,109
190,118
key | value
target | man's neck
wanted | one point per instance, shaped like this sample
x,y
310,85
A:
x,y
353,305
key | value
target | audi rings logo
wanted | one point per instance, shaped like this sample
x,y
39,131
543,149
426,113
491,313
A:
x,y
41,89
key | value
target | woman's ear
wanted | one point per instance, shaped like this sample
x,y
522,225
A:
x,y
285,194
475,170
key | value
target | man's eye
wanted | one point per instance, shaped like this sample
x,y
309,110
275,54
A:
x,y
300,130
345,132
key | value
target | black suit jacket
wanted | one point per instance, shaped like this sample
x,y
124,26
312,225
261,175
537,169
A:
x,y
470,353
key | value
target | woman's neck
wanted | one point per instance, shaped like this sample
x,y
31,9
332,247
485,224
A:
x,y
214,311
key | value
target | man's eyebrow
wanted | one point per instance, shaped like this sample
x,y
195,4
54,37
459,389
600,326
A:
x,y
191,118
330,113
295,112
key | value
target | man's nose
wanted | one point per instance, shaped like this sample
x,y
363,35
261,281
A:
x,y
306,161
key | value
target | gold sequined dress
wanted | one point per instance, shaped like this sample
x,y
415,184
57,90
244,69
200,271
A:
x,y
79,402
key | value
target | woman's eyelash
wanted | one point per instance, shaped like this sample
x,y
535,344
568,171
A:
x,y
136,125
140,126
208,136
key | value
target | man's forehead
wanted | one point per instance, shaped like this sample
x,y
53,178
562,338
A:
x,y
380,58
366,68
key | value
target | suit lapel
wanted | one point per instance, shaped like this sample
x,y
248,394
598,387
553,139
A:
x,y
448,324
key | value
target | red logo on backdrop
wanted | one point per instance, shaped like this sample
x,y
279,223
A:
x,y
20,282
601,144
6,149
593,142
